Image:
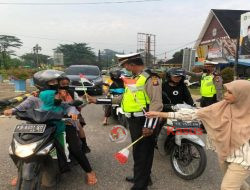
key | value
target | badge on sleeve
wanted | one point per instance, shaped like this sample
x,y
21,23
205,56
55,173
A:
x,y
155,81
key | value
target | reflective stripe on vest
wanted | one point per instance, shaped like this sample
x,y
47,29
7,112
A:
x,y
207,86
135,97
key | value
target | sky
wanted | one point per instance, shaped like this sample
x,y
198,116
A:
x,y
109,26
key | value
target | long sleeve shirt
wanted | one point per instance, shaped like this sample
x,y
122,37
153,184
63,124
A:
x,y
35,103
240,156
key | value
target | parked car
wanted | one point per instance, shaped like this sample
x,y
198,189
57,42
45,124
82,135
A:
x,y
94,81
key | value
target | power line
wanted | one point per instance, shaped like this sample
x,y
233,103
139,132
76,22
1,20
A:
x,y
184,45
80,3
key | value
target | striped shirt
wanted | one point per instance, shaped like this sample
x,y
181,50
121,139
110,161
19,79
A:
x,y
240,156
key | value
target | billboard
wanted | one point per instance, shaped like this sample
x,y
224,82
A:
x,y
58,59
245,34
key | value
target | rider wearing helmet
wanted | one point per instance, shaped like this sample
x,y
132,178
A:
x,y
115,87
174,90
47,79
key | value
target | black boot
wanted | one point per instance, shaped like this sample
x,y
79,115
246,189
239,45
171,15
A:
x,y
131,180
85,147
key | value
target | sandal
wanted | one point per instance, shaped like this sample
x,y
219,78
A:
x,y
13,181
91,178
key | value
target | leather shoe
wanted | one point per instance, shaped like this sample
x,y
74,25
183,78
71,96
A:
x,y
131,180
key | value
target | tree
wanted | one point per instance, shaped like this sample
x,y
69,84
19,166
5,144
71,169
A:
x,y
6,43
107,57
177,57
227,75
77,54
30,59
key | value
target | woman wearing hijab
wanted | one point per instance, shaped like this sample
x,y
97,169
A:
x,y
228,125
51,102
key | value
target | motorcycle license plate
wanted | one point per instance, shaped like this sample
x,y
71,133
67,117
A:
x,y
30,128
183,124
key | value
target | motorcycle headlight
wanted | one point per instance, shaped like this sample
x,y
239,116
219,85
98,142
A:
x,y
25,150
45,150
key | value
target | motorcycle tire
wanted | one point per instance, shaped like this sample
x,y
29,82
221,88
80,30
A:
x,y
30,185
202,163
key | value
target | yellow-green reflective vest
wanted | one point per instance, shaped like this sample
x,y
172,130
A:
x,y
135,97
207,86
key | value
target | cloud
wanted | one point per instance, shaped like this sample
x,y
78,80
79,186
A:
x,y
110,26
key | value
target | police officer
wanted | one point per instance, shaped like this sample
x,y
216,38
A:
x,y
146,95
211,84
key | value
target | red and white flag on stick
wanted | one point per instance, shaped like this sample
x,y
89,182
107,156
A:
x,y
83,78
122,155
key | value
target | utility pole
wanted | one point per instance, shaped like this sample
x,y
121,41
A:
x,y
36,49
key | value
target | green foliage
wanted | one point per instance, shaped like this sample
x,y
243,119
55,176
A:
x,y
77,54
177,57
107,58
20,74
227,74
4,73
29,59
6,45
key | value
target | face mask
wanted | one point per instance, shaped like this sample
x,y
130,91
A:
x,y
57,102
248,33
205,71
53,87
128,73
64,88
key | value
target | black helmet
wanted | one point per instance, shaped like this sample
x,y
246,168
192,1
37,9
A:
x,y
41,78
63,76
115,74
176,72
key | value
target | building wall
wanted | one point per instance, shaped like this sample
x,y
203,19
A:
x,y
214,31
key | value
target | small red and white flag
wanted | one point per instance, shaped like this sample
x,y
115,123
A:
x,y
83,78
122,156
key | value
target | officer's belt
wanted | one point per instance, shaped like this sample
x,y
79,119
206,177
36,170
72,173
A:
x,y
134,114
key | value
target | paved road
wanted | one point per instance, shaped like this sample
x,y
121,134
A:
x,y
110,173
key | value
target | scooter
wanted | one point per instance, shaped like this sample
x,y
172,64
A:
x,y
30,149
180,140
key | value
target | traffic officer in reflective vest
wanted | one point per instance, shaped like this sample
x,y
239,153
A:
x,y
211,89
144,95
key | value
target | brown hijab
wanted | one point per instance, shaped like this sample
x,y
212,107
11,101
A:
x,y
228,125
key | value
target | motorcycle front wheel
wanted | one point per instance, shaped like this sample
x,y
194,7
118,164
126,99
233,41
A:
x,y
188,160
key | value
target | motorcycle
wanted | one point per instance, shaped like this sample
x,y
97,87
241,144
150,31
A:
x,y
179,139
31,146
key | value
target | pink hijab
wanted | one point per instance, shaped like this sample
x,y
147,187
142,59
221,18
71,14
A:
x,y
228,125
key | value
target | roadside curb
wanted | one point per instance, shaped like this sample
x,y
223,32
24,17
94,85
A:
x,y
7,102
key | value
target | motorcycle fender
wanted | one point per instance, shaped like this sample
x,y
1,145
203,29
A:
x,y
193,138
29,170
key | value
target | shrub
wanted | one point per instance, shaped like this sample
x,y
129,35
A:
x,y
20,74
4,73
227,74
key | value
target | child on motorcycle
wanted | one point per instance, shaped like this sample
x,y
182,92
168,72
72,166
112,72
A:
x,y
228,125
69,95
115,87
